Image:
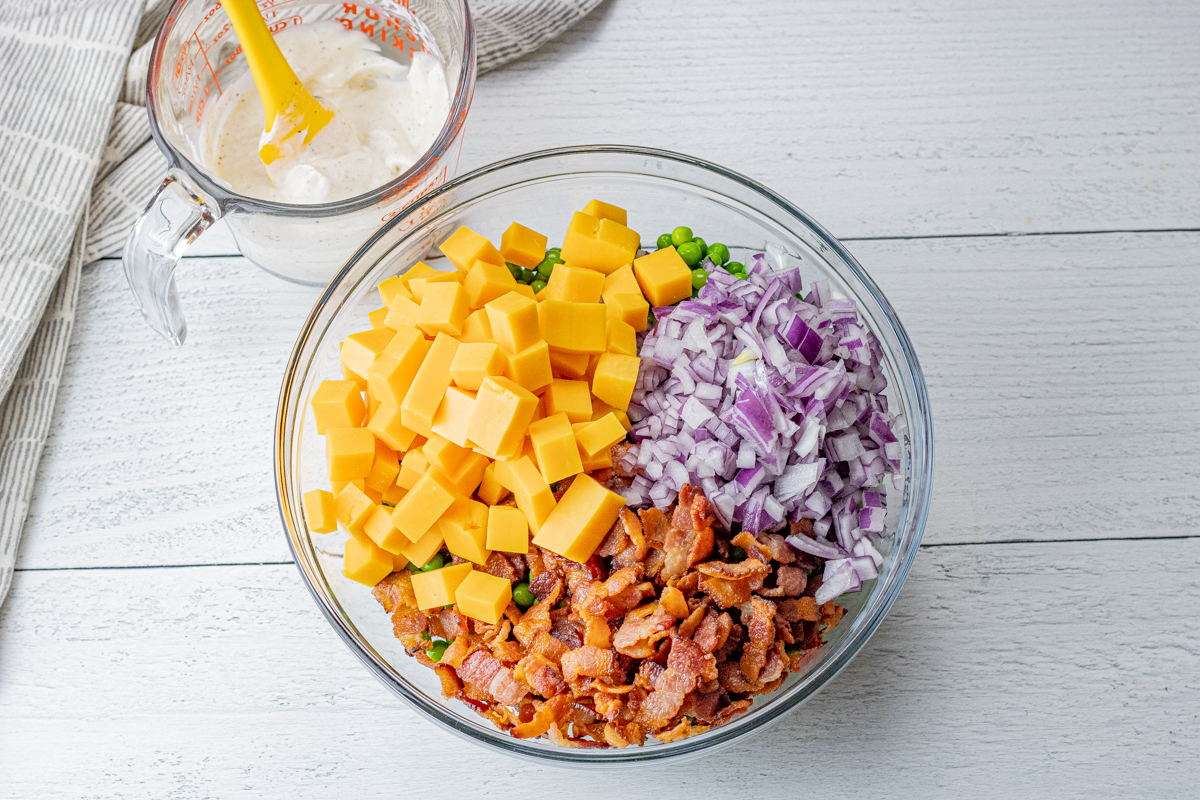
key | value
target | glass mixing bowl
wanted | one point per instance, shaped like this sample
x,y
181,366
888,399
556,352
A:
x,y
540,190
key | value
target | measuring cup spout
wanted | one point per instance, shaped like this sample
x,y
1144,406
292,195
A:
x,y
178,214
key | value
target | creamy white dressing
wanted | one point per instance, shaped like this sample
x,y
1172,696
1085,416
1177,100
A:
x,y
386,115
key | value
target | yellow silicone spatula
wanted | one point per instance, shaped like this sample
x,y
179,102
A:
x,y
289,109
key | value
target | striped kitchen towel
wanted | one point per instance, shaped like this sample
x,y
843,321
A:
x,y
77,166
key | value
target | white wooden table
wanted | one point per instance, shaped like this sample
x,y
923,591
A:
x,y
1024,183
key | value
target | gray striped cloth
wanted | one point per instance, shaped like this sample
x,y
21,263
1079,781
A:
x,y
78,165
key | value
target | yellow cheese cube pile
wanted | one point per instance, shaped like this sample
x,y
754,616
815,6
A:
x,y
475,390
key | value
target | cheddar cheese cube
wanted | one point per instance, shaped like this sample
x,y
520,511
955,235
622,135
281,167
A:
x,y
514,321
417,270
425,548
383,533
360,349
349,453
394,287
600,244
338,404
464,527
402,312
429,386
600,409
350,375
554,442
444,309
454,415
378,317
384,468
601,460
632,309
573,285
387,425
525,290
353,510
621,337
430,496
365,562
483,597
507,530
522,246
530,490
597,437
399,562
663,277
614,379
417,286
467,476
465,247
436,588
572,398
392,496
490,491
502,412
600,210
337,486
477,328
475,361
320,511
576,526
412,467
443,454
568,365
392,373
531,368
485,282
572,327
620,281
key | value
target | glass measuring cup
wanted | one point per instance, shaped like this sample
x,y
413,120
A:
x,y
195,53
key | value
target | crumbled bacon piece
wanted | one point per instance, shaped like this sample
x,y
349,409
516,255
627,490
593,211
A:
x,y
636,641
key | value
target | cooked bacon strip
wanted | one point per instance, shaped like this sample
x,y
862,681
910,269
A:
x,y
642,629
685,665
792,580
589,660
395,592
759,618
548,713
541,674
690,536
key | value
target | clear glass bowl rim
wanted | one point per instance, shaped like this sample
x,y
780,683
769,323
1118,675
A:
x,y
460,104
920,484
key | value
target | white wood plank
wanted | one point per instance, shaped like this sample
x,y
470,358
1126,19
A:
x,y
1063,373
1061,370
1047,670
908,118
938,117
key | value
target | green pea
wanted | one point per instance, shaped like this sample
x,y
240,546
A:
x,y
522,596
537,285
515,269
544,269
681,235
438,650
699,279
437,562
702,245
527,276
718,252
736,553
425,635
690,253
664,241
555,251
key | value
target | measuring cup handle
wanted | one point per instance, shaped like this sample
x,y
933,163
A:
x,y
178,214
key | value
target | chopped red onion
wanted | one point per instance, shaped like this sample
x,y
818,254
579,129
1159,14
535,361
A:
x,y
773,404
